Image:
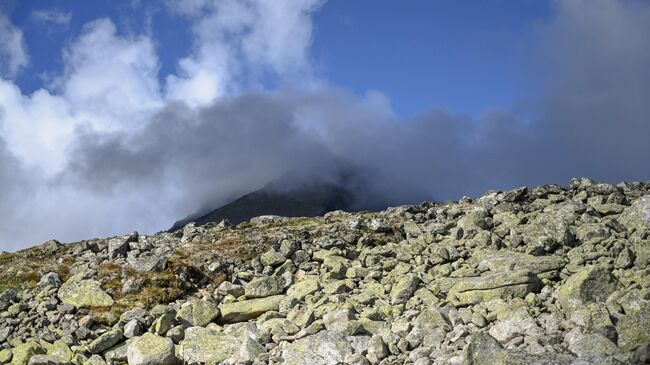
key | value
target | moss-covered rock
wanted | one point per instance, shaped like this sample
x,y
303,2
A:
x,y
5,356
303,287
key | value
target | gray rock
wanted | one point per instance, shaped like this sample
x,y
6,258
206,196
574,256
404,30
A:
x,y
201,346
197,313
404,289
104,342
151,349
50,279
323,348
590,285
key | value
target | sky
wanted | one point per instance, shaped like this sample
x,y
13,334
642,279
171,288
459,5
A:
x,y
122,116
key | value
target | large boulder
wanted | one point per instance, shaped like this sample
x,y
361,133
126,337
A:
x,y
323,348
151,349
249,309
264,286
202,346
197,313
303,287
634,329
24,352
589,285
84,293
504,285
404,289
636,217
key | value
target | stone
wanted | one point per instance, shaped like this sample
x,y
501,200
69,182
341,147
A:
x,y
633,329
637,216
516,323
264,286
404,289
304,287
249,309
46,360
625,259
272,258
151,349
95,360
117,247
377,349
23,352
228,288
590,285
206,347
6,297
337,320
249,350
197,313
590,346
50,279
84,294
5,356
104,342
323,348
133,328
164,323
513,284
60,351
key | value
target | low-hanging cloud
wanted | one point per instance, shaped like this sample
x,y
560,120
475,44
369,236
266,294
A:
x,y
179,156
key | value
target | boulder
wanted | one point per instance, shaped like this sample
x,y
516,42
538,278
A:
x,y
634,329
151,349
84,294
249,309
323,348
104,342
202,346
197,313
590,285
512,284
304,287
25,351
636,217
264,286
404,289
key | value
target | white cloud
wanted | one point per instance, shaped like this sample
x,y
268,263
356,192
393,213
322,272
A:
x,y
239,43
52,18
13,51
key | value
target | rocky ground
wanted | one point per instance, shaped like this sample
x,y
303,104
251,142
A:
x,y
543,275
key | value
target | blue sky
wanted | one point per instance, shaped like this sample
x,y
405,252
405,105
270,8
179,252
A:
x,y
466,56
128,115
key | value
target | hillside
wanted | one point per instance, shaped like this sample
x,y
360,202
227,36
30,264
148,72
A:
x,y
541,275
291,195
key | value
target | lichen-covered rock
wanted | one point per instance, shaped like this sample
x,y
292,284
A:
x,y
637,216
590,285
197,313
404,289
323,348
104,342
151,349
264,286
512,284
60,351
306,286
24,352
202,346
84,294
5,356
249,309
634,329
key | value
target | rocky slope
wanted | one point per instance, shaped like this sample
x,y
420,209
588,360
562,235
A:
x,y
543,275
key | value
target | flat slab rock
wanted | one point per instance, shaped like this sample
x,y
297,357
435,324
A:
x,y
510,284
